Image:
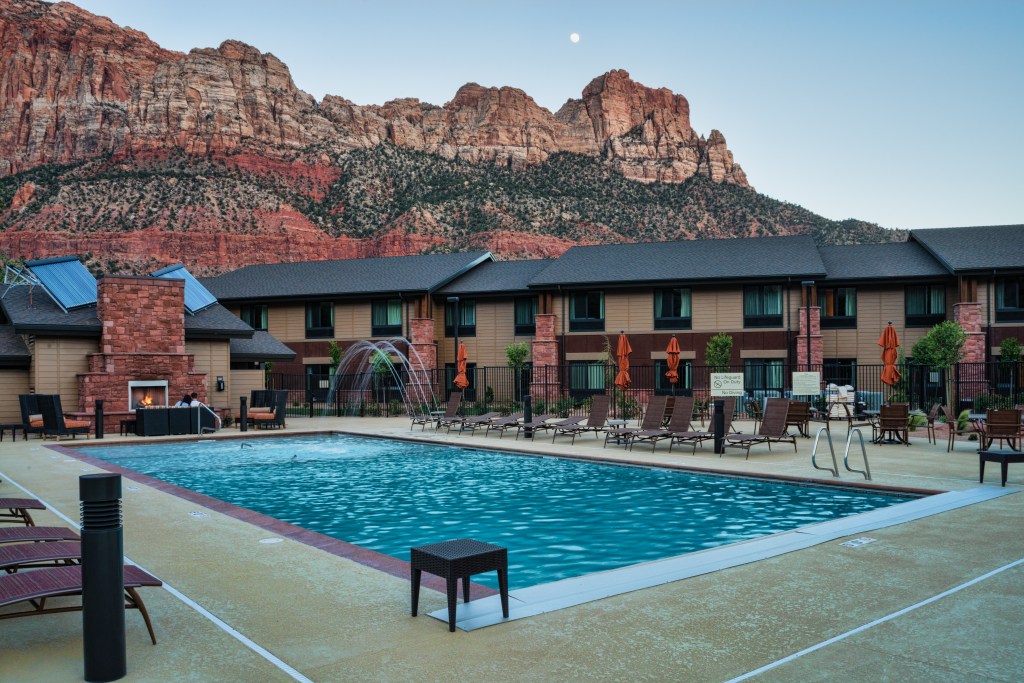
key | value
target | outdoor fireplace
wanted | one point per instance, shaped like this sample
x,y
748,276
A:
x,y
143,393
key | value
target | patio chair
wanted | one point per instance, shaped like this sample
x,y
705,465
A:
x,y
54,422
952,424
473,422
538,423
31,416
17,509
451,411
754,412
678,421
799,416
595,421
275,418
774,427
695,438
36,534
932,415
652,420
16,556
37,586
1002,424
503,423
894,420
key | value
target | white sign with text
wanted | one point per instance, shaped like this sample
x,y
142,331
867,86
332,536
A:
x,y
806,383
726,384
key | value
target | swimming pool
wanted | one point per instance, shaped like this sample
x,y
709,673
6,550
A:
x,y
558,517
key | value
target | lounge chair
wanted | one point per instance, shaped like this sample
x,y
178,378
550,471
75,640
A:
x,y
799,416
15,556
24,534
652,420
595,421
774,427
695,438
39,585
17,509
451,412
538,423
54,422
31,417
678,423
503,423
472,422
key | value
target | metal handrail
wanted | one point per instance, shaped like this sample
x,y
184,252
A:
x,y
215,416
814,451
846,456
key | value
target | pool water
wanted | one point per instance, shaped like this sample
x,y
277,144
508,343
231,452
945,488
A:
x,y
557,517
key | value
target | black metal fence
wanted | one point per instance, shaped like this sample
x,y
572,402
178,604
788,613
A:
x,y
566,390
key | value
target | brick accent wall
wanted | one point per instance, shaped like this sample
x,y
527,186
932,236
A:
x,y
544,351
817,343
422,354
968,316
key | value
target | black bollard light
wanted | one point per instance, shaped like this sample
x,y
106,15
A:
x,y
719,426
99,418
243,414
528,414
102,577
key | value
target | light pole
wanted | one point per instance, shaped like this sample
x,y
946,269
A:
x,y
454,301
808,284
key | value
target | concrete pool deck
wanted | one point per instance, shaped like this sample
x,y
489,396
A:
x,y
328,618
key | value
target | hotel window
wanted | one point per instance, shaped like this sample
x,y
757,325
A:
x,y
469,393
840,371
838,307
526,315
586,378
926,305
586,312
672,309
1010,300
763,375
255,316
320,320
467,319
665,388
762,306
386,318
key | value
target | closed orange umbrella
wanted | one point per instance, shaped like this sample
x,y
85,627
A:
x,y
622,351
461,381
672,356
889,343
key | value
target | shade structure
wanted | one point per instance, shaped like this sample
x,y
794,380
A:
x,y
461,381
672,360
889,343
622,351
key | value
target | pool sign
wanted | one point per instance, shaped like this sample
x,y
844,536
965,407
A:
x,y
726,383
806,383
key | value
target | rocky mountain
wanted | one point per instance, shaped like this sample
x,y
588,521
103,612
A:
x,y
112,146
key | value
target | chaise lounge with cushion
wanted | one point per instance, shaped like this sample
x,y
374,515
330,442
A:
x,y
54,422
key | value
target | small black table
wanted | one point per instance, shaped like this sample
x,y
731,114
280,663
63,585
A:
x,y
459,559
14,427
1003,457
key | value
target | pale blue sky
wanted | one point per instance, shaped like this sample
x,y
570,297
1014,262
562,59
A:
x,y
905,113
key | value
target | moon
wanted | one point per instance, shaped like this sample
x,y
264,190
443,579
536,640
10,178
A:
x,y
574,37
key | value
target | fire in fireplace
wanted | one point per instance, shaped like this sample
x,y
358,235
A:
x,y
147,393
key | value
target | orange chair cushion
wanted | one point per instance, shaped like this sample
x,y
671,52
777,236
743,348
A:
x,y
75,424
36,423
262,416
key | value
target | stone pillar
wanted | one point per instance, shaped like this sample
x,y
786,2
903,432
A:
x,y
545,385
422,360
817,344
968,316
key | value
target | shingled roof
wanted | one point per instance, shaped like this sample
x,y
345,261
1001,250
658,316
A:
x,y
876,261
749,258
350,277
497,277
976,248
261,347
13,351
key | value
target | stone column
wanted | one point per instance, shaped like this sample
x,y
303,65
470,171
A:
x,y
422,360
817,344
545,385
968,316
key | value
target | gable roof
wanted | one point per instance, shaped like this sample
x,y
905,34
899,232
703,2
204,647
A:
x,y
978,248
878,261
497,277
261,347
13,350
747,258
350,277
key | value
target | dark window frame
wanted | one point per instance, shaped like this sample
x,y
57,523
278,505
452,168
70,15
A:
x,y
836,322
923,319
1009,314
834,370
587,369
677,322
589,323
319,331
386,330
760,319
246,314
469,393
524,329
662,387
465,329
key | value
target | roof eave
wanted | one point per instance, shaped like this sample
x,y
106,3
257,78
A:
x,y
486,256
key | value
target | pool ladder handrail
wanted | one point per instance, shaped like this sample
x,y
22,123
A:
x,y
846,456
814,452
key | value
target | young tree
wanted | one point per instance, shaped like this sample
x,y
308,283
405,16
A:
x,y
516,354
718,352
335,352
941,349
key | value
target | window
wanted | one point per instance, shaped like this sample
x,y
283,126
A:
x,y
841,371
661,384
467,322
672,309
763,375
245,365
320,320
526,315
318,382
255,316
469,393
586,312
838,307
1010,300
926,305
386,318
586,378
762,306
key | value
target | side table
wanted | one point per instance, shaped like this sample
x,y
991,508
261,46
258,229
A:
x,y
458,559
1003,457
14,427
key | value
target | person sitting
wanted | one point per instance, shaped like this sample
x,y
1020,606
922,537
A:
x,y
185,402
195,402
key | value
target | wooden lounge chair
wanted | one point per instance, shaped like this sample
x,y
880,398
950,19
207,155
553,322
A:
x,y
1002,424
894,420
678,423
23,534
15,556
595,421
652,421
472,422
799,416
695,438
39,585
503,423
774,427
538,423
54,422
17,509
451,412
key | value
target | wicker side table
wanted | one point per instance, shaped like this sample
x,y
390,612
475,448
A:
x,y
459,559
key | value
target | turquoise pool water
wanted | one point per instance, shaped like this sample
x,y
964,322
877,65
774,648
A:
x,y
558,518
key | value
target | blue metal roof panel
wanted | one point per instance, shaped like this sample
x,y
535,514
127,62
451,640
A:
x,y
66,279
197,297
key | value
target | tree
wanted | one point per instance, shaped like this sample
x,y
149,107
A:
x,y
941,349
516,354
335,352
718,352
1009,360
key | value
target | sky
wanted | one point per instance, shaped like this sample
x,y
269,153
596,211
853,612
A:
x,y
900,112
